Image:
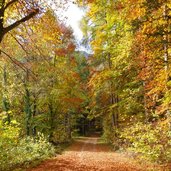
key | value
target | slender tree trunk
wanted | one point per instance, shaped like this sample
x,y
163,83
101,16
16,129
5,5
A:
x,y
34,114
166,41
145,102
113,99
27,111
166,53
27,100
113,112
1,19
69,125
117,112
111,92
6,105
51,121
1,37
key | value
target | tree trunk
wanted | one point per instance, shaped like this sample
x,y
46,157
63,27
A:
x,y
113,99
2,20
166,54
69,125
28,111
34,114
6,105
5,6
51,121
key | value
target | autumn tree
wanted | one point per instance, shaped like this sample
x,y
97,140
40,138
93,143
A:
x,y
116,95
9,8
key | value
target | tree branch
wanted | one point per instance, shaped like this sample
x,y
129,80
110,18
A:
x,y
17,23
20,44
10,3
19,64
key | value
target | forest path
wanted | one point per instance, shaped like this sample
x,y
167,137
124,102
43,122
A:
x,y
88,154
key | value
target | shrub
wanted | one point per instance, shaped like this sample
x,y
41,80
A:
x,y
15,152
152,141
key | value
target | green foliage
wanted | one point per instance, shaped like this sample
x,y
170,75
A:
x,y
24,152
51,88
9,133
15,151
152,141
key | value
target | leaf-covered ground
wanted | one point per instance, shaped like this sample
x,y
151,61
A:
x,y
88,154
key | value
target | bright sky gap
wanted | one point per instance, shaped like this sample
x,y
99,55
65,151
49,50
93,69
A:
x,y
71,15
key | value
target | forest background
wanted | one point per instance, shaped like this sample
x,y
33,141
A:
x,y
50,90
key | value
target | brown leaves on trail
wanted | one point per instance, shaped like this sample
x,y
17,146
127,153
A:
x,y
87,155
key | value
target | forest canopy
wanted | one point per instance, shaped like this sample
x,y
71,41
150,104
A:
x,y
51,91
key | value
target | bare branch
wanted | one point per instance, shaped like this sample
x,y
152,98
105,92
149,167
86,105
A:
x,y
19,64
17,23
19,44
14,60
10,3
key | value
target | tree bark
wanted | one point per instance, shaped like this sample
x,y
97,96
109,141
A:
x,y
166,54
51,121
34,114
28,111
6,104
3,7
113,99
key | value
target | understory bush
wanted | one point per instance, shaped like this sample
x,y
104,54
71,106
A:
x,y
15,152
152,141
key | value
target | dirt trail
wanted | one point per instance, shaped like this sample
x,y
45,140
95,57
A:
x,y
86,154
